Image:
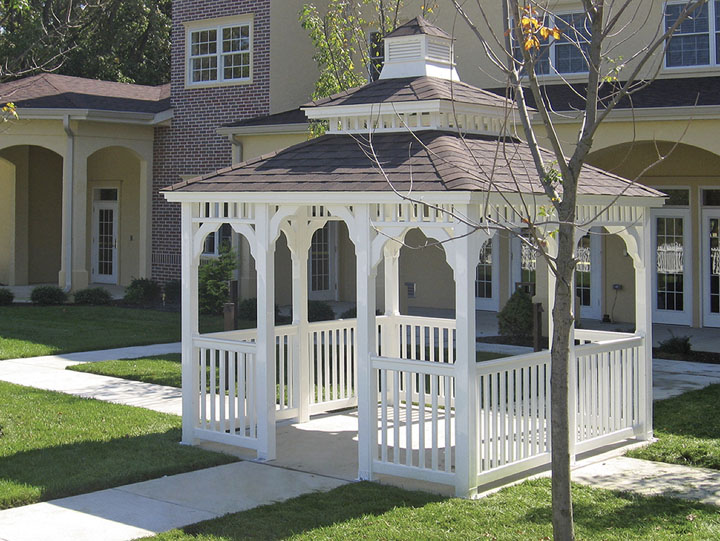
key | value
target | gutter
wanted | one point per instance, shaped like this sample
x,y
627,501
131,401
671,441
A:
x,y
68,188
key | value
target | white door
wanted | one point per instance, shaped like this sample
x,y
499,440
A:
x,y
672,279
711,268
322,272
487,277
588,275
104,242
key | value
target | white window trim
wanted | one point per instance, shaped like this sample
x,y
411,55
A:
x,y
712,31
219,25
678,317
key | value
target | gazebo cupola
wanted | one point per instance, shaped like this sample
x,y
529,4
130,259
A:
x,y
418,48
418,89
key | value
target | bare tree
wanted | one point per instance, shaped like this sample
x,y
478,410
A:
x,y
516,50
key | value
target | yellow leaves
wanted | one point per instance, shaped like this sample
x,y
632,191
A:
x,y
9,111
533,30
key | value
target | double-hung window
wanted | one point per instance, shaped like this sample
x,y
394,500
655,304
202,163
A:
x,y
696,41
567,54
220,54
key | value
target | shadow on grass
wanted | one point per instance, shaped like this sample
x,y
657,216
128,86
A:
x,y
312,511
65,470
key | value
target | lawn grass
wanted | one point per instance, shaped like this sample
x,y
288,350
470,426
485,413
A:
x,y
688,430
54,445
29,331
167,370
371,511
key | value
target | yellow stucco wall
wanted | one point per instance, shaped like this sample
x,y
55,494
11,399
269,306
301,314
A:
x,y
258,145
427,268
7,222
45,217
117,167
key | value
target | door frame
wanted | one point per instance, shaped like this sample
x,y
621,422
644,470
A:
x,y
708,319
492,304
674,317
595,311
95,276
330,294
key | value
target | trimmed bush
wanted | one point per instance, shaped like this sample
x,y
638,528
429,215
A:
x,y
213,278
247,310
143,291
676,344
515,319
6,296
93,296
173,290
320,311
351,313
48,295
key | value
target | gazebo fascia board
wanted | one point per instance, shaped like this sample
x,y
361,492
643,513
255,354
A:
x,y
321,112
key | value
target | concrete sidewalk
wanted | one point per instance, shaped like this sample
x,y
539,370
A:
x,y
150,507
49,373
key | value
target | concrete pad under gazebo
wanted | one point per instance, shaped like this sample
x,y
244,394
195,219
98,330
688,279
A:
x,y
415,150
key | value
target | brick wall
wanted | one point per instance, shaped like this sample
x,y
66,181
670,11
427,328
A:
x,y
191,146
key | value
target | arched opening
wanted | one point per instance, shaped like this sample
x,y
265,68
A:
x,y
686,275
31,191
113,218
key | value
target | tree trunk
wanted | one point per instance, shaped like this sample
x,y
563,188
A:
x,y
562,515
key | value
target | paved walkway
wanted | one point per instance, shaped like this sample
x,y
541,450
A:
x,y
141,509
49,373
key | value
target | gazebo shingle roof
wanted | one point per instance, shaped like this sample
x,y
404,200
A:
x,y
418,25
413,89
441,161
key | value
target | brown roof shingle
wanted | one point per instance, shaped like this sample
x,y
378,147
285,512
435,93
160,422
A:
x,y
418,25
435,161
412,89
53,91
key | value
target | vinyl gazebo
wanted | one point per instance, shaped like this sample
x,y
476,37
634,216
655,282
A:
x,y
426,409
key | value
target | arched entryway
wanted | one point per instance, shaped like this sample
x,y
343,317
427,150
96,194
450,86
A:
x,y
686,249
31,196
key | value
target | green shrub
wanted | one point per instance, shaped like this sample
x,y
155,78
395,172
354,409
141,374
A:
x,y
247,310
320,311
142,291
93,296
515,319
676,344
213,278
173,292
6,296
48,295
351,313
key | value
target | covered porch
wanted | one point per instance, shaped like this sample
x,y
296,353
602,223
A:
x,y
424,409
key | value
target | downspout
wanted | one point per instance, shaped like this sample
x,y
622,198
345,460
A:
x,y
68,187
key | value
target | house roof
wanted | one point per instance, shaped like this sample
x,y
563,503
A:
x,y
412,89
293,116
53,91
416,26
676,92
440,162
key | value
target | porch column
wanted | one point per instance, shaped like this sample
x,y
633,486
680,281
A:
x,y
643,320
80,270
465,252
391,259
299,239
265,357
366,384
190,375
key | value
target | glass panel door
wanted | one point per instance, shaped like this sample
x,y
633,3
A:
x,y
487,277
672,302
323,281
711,270
104,242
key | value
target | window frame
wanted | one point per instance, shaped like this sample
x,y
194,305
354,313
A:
x,y
218,25
713,33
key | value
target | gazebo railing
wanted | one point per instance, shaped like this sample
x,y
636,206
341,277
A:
x,y
416,426
513,415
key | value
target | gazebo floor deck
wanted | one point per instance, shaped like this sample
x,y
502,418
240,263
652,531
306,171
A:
x,y
328,445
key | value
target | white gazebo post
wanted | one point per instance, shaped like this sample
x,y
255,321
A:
x,y
365,340
299,237
390,331
643,320
190,376
464,251
265,357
